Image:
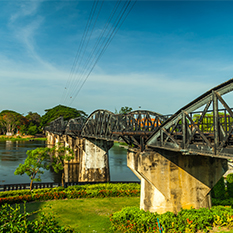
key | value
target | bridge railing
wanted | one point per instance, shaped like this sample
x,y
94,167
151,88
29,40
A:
x,y
23,186
206,125
207,132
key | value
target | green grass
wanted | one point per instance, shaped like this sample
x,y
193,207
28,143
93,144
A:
x,y
21,139
84,215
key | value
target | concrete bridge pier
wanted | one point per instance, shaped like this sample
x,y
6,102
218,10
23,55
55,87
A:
x,y
171,181
71,172
94,163
74,144
50,138
53,139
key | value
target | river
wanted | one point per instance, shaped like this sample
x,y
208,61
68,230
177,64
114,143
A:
x,y
12,153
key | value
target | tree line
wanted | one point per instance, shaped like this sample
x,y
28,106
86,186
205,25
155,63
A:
x,y
12,123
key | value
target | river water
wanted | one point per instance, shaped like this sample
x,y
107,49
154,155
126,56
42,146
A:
x,y
12,153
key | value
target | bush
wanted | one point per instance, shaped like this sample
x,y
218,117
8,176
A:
x,y
14,220
32,130
230,185
218,190
77,191
132,219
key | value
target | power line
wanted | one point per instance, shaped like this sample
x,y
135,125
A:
x,y
70,78
92,54
83,53
78,78
113,33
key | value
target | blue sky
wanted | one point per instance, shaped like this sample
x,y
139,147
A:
x,y
165,54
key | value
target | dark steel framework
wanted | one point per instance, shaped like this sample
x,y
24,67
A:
x,y
208,132
133,128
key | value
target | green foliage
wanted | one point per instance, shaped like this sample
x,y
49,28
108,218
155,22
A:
x,y
32,130
124,110
58,111
226,202
77,191
218,190
33,126
132,219
14,219
230,185
207,122
34,164
38,160
33,118
60,155
10,121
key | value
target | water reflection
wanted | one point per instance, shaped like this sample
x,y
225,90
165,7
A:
x,y
9,145
13,153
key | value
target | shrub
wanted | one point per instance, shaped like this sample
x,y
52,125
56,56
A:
x,y
218,190
78,191
132,219
32,130
13,220
230,185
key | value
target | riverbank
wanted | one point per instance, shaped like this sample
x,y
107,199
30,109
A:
x,y
22,138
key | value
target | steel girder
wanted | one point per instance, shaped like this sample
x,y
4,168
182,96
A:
x,y
74,126
133,128
57,126
208,133
99,125
137,126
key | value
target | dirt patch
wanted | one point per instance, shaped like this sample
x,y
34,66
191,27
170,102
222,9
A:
x,y
217,229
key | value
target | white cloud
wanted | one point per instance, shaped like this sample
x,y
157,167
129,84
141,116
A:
x,y
26,29
26,8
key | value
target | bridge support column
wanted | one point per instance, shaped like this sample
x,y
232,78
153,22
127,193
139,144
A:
x,y
94,164
53,139
50,138
74,144
171,181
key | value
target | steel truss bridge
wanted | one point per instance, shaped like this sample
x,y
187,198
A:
x,y
206,132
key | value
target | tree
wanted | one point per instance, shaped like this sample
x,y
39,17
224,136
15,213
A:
x,y
124,110
33,126
60,155
41,159
34,118
11,121
32,130
34,164
58,111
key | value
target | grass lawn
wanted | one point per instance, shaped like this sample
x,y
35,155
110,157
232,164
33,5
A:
x,y
85,215
21,138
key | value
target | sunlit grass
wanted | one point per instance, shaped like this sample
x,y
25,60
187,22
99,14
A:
x,y
85,215
21,138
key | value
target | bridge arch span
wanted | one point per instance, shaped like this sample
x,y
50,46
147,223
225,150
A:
x,y
207,132
99,125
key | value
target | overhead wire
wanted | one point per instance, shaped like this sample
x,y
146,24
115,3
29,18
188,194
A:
x,y
77,56
91,55
106,45
84,51
101,44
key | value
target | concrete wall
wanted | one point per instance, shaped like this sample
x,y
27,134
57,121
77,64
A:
x,y
171,181
90,157
94,164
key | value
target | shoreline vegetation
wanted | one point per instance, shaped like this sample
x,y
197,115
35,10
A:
x,y
22,138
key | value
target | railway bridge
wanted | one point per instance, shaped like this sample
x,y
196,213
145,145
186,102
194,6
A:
x,y
178,158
